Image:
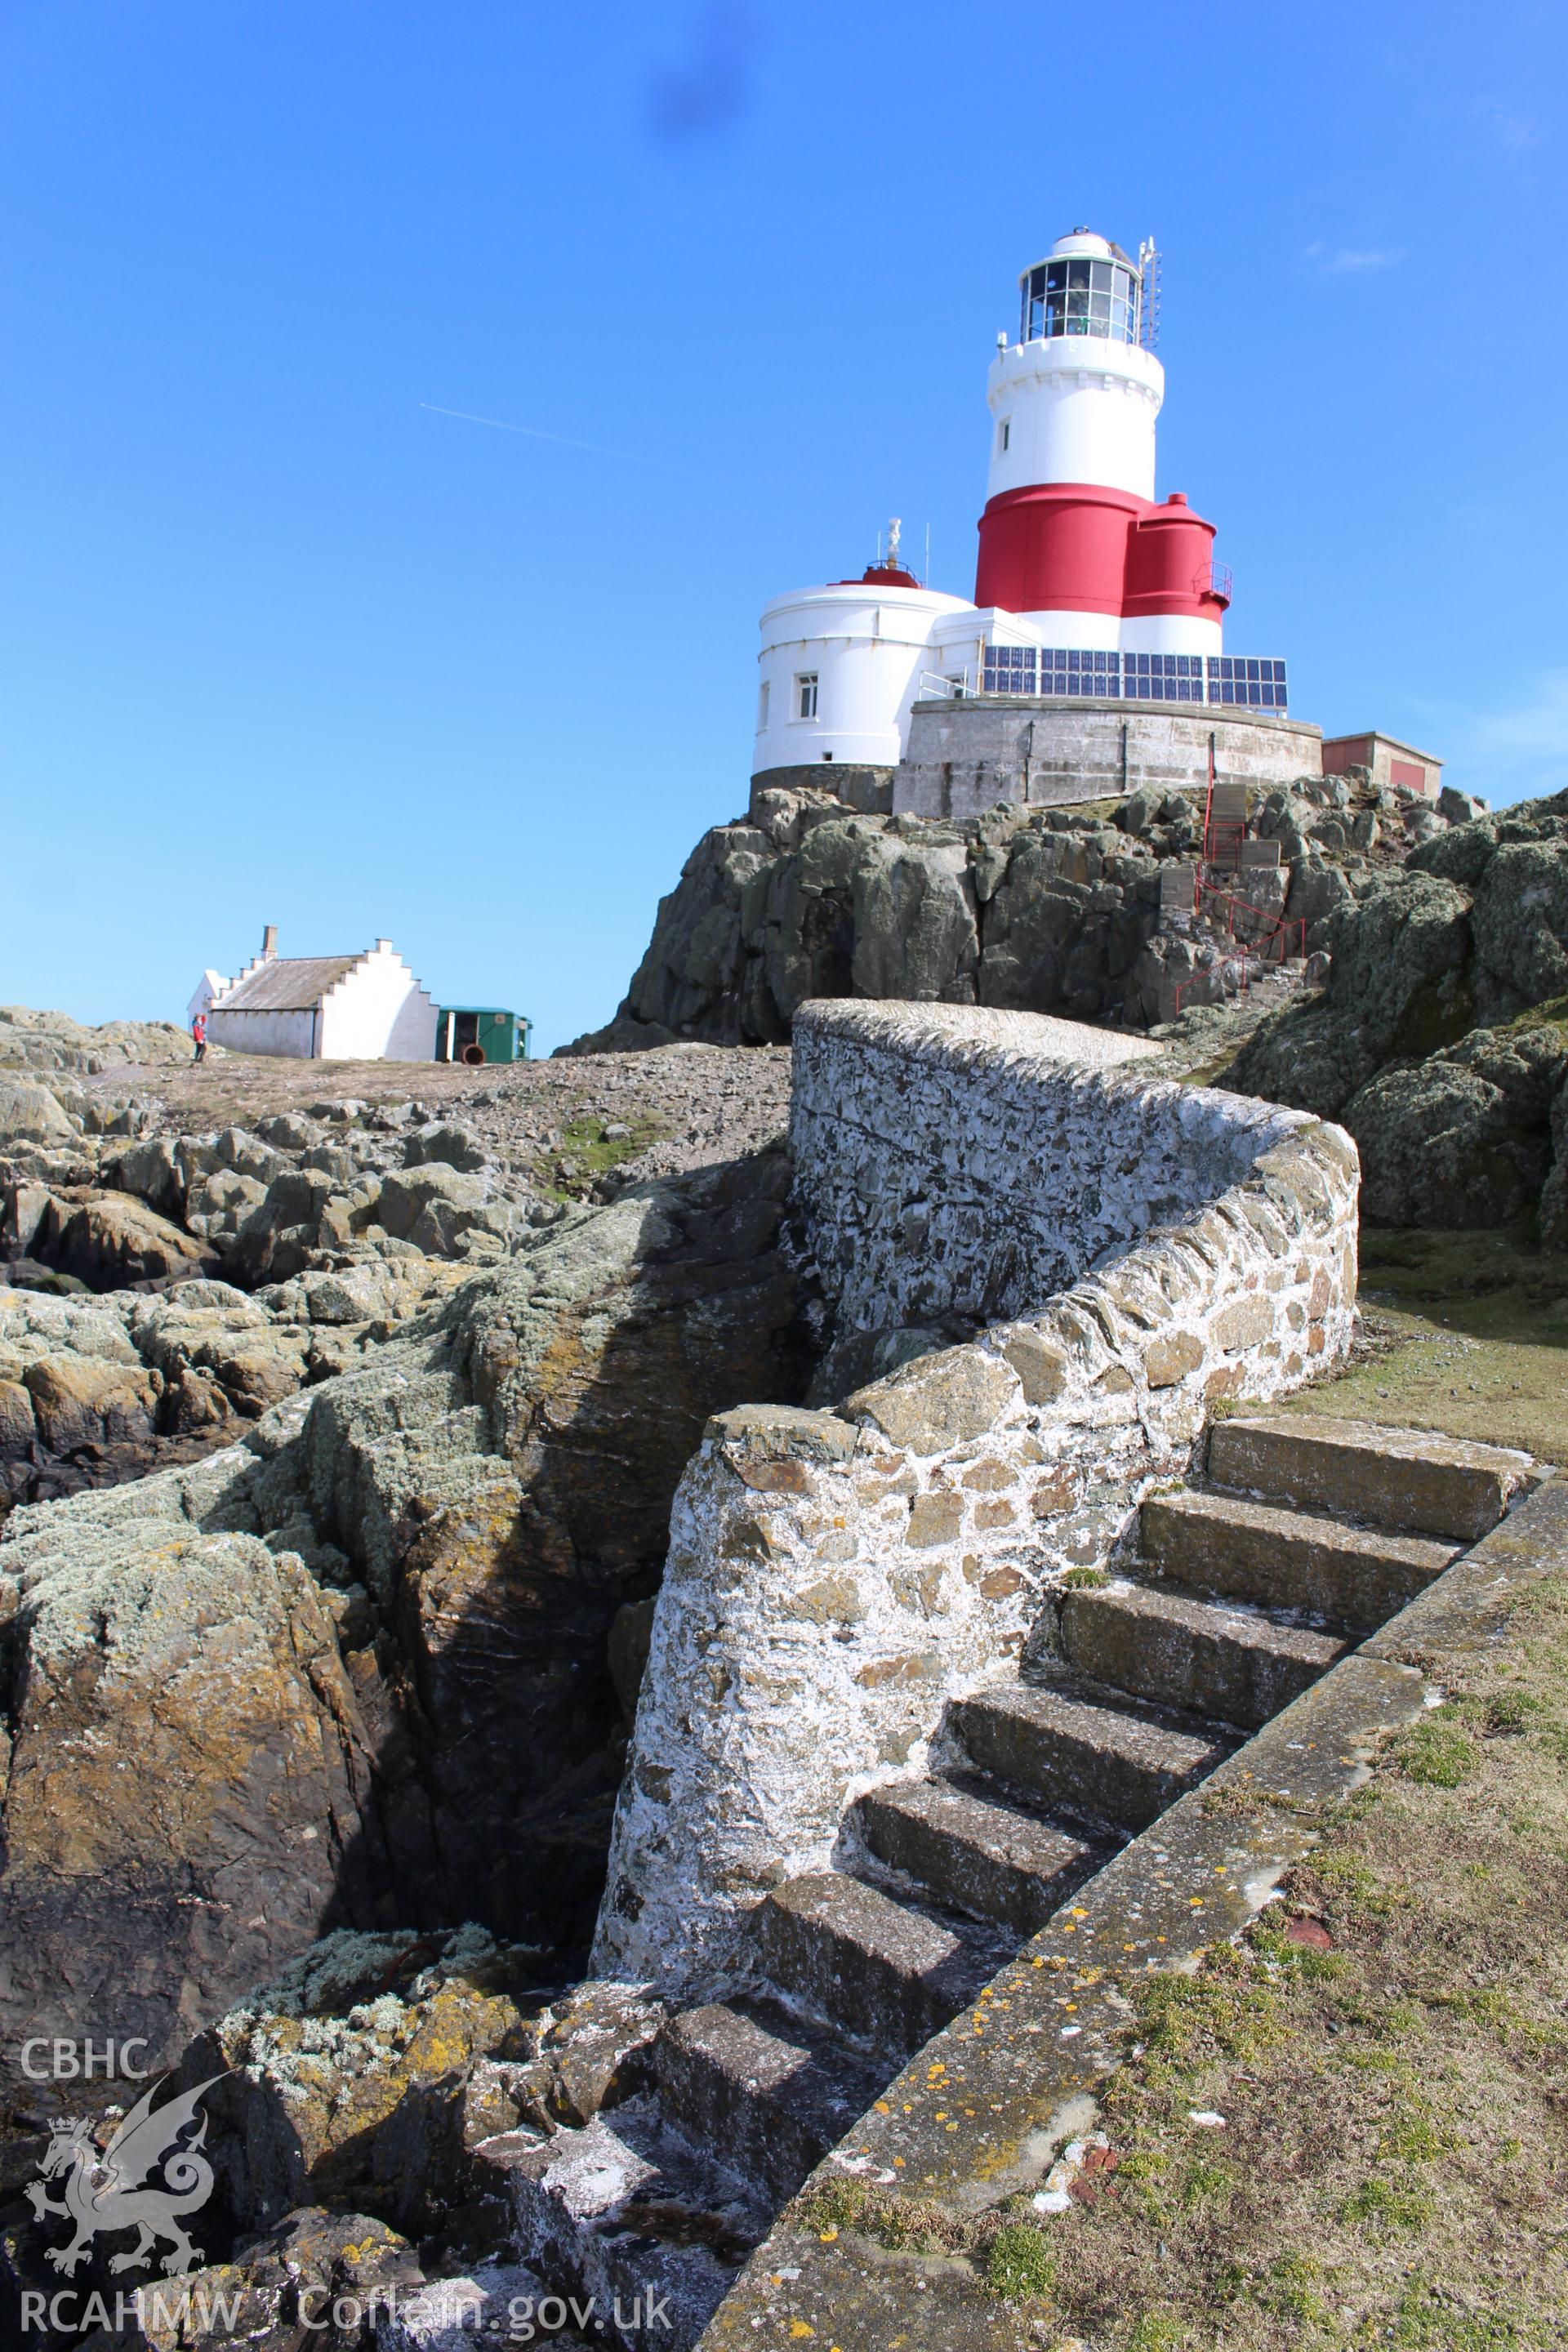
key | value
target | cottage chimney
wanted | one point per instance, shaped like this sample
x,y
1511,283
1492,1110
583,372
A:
x,y
383,946
270,941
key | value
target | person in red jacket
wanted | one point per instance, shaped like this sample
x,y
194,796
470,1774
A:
x,y
199,1032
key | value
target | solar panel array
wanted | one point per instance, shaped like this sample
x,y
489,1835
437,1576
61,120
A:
x,y
1240,681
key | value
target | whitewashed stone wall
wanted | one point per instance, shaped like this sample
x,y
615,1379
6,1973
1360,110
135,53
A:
x,y
835,1578
952,1159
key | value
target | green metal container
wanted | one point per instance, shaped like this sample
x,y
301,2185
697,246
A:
x,y
475,1034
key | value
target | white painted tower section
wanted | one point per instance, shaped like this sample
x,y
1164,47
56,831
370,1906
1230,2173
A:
x,y
838,670
1078,410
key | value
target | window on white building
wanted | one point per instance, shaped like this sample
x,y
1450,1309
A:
x,y
805,693
1003,436
761,706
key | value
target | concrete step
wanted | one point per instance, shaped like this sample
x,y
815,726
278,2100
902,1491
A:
x,y
1354,1577
628,2212
1230,1663
1407,1478
1076,1744
885,1973
772,2093
975,1852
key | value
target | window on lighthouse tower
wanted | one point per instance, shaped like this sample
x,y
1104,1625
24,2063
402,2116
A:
x,y
805,693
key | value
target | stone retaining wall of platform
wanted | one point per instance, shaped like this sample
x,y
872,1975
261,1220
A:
x,y
836,1577
967,755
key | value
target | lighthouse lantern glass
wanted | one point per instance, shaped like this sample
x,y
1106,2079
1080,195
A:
x,y
1080,298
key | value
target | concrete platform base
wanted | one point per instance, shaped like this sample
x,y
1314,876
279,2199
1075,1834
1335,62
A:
x,y
967,756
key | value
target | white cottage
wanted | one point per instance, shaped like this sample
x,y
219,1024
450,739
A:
x,y
344,1008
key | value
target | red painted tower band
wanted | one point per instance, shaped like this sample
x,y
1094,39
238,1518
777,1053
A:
x,y
1080,547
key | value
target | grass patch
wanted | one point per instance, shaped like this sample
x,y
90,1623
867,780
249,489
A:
x,y
1392,2166
1019,2266
1437,1750
1082,1579
901,2224
1012,2256
1461,1332
586,1152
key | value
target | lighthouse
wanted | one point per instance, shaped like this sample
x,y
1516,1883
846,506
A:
x,y
1096,599
1072,540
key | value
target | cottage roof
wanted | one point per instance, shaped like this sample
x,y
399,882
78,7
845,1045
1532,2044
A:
x,y
286,985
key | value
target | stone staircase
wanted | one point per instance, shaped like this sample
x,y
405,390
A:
x,y
1305,1537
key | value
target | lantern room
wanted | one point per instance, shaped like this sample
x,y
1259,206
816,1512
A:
x,y
1088,286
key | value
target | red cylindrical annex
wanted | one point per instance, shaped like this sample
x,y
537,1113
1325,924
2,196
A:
x,y
1055,547
1170,564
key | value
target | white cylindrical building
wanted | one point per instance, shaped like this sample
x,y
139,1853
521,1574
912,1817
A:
x,y
840,667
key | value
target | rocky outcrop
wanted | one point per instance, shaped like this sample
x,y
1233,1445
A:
x,y
189,1771
1037,910
355,1667
53,1041
94,1390
114,1239
580,1379
29,1113
371,2074
1441,1040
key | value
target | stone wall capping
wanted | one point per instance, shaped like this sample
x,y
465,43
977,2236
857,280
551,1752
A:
x,y
940,1401
1027,2085
779,1431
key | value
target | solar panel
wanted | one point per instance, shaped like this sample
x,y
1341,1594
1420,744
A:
x,y
1235,681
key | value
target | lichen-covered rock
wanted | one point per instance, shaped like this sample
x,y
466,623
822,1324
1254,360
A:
x,y
150,1170
30,1111
38,1040
1425,1044
186,1798
81,1401
444,1140
1030,909
357,1665
124,1382
435,1204
1463,1138
336,2280
318,2063
593,1360
114,1239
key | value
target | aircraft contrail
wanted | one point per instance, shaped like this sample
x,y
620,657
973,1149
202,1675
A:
x,y
532,431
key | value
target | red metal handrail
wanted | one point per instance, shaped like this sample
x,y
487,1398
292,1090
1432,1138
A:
x,y
1277,934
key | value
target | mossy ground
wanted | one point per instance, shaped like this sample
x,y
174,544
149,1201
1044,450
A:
x,y
1462,1331
1393,2161
586,1152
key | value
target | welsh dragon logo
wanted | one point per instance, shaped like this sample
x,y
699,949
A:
x,y
113,2191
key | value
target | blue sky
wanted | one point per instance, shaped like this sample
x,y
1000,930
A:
x,y
282,641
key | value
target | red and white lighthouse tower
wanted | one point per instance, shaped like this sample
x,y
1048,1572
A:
x,y
1071,539
1087,590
